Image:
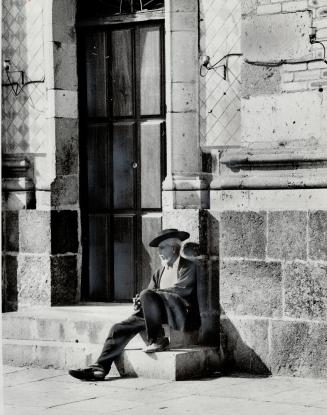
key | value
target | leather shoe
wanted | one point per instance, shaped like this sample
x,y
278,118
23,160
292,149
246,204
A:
x,y
159,346
89,373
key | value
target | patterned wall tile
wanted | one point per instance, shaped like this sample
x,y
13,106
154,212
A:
x,y
220,34
22,40
23,116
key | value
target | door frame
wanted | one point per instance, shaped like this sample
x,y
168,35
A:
x,y
100,24
182,132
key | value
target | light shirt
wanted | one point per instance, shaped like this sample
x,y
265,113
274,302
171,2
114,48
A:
x,y
169,275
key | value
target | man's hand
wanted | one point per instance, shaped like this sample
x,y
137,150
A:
x,y
137,302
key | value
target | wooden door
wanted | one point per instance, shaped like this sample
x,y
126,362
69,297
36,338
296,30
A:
x,y
122,107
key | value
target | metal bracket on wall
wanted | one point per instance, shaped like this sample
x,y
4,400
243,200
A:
x,y
17,85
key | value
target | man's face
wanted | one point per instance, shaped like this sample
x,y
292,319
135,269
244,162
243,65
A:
x,y
166,252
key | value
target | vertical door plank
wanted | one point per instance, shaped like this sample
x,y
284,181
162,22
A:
x,y
150,70
122,72
122,160
98,258
124,258
96,82
98,167
151,164
150,261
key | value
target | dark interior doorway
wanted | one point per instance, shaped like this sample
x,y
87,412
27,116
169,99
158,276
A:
x,y
122,133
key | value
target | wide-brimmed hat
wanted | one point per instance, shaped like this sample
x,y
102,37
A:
x,y
169,233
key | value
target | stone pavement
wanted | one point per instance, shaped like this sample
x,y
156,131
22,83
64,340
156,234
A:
x,y
34,391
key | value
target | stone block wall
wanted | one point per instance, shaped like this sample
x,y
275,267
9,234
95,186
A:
x,y
41,259
41,221
273,279
272,231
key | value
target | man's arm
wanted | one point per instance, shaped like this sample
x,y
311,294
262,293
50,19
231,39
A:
x,y
186,284
152,286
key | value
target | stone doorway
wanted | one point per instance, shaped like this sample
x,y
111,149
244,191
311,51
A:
x,y
122,140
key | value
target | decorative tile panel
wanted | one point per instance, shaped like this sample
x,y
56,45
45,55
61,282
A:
x,y
23,116
220,34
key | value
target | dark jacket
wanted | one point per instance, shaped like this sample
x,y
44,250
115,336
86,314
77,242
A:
x,y
185,301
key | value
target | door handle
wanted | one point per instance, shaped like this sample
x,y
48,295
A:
x,y
134,165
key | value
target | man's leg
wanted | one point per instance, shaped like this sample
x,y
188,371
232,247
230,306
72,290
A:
x,y
119,336
154,314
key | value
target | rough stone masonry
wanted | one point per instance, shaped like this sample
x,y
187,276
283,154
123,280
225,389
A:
x,y
272,239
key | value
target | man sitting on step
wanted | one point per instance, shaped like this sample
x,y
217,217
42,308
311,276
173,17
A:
x,y
171,298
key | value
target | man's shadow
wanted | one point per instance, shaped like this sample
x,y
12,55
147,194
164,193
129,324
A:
x,y
237,355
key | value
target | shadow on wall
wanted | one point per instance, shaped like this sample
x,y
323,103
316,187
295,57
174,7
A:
x,y
208,293
237,354
10,243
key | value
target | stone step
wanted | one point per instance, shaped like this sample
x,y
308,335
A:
x,y
78,324
49,354
174,364
68,337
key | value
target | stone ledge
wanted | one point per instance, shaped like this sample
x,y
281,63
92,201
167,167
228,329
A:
x,y
274,157
78,324
172,365
47,354
261,200
256,179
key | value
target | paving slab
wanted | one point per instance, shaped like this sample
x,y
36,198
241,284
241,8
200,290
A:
x,y
20,376
14,410
35,391
212,406
11,369
275,389
42,396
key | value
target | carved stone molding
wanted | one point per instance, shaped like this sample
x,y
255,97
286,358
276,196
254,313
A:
x,y
246,159
192,181
272,169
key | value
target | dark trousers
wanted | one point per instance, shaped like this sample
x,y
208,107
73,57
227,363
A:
x,y
150,318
